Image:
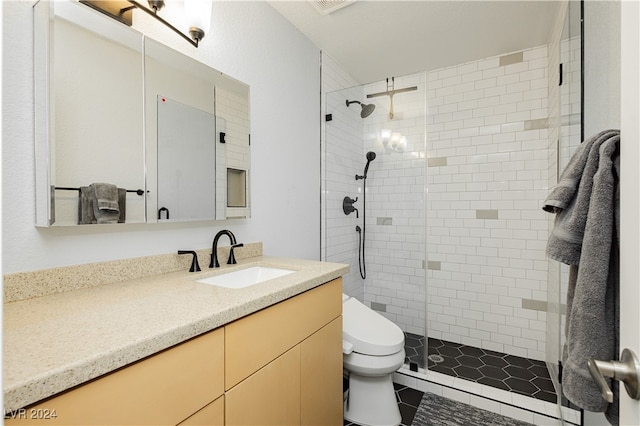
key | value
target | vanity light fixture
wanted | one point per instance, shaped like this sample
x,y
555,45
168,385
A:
x,y
394,141
197,13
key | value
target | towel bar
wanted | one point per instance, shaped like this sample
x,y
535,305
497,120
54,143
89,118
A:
x,y
68,188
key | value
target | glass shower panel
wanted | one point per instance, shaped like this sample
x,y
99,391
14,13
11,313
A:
x,y
394,232
396,247
343,158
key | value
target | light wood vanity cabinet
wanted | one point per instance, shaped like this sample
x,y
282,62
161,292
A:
x,y
281,365
163,389
284,363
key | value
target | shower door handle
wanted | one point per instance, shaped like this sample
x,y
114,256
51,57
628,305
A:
x,y
627,370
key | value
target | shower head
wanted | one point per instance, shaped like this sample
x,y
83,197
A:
x,y
370,157
367,109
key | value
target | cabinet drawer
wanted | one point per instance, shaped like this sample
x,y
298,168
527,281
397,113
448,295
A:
x,y
254,341
163,389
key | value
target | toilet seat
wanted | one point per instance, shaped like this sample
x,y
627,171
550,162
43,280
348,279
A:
x,y
369,332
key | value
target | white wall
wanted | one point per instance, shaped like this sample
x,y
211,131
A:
x,y
601,66
249,41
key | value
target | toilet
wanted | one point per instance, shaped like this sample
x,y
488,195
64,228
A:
x,y
373,349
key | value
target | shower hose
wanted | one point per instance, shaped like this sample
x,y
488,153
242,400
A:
x,y
362,232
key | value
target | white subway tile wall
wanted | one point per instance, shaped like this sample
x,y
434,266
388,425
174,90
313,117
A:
x,y
342,158
395,239
484,222
232,118
463,197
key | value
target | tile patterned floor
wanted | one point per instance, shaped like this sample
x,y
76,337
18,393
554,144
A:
x,y
507,372
408,401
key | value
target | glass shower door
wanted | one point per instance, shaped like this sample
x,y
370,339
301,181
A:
x,y
570,135
393,221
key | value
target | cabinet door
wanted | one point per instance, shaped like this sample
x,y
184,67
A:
x,y
211,415
271,396
321,376
254,341
163,389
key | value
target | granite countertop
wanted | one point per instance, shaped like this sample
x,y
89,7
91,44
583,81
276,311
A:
x,y
57,341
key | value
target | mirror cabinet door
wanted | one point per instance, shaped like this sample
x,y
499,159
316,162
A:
x,y
94,131
186,162
188,166
180,130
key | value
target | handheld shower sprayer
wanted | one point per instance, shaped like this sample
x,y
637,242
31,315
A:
x,y
362,231
370,157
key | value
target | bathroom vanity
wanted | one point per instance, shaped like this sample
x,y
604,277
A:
x,y
270,353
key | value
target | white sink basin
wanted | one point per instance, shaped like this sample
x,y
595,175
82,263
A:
x,y
246,277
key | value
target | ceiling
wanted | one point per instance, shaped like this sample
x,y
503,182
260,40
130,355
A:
x,y
373,40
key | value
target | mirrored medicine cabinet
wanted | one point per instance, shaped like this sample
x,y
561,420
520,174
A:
x,y
114,106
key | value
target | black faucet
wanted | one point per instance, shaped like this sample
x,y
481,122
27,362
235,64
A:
x,y
194,262
214,249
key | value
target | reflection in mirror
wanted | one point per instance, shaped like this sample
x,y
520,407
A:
x,y
190,85
96,121
197,87
236,188
186,162
232,114
95,127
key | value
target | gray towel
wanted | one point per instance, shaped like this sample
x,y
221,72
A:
x,y
85,206
570,200
122,204
587,230
105,203
87,200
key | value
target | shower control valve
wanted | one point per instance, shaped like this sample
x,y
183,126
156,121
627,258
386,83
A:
x,y
347,206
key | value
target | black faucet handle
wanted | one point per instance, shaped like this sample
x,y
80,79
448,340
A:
x,y
195,267
232,257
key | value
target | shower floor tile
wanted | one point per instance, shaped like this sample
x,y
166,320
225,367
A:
x,y
507,372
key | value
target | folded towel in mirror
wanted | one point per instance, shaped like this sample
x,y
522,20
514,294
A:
x,y
85,206
96,204
106,197
122,204
105,202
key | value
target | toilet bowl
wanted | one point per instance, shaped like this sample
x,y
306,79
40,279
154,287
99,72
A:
x,y
373,349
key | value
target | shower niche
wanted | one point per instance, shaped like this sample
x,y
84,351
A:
x,y
236,188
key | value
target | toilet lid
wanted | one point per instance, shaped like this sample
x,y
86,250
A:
x,y
369,332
